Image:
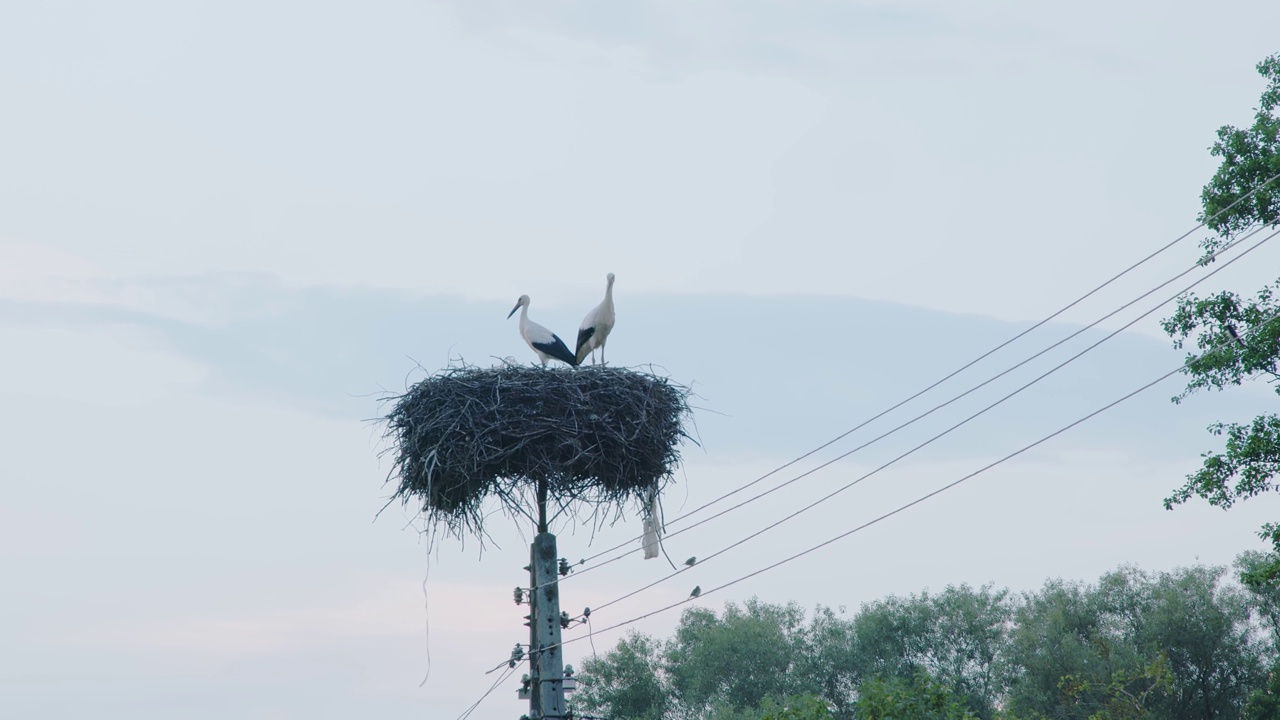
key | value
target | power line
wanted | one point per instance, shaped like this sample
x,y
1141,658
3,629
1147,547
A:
x,y
950,375
971,390
940,490
975,388
926,442
957,482
501,679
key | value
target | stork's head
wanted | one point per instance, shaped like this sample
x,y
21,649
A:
x,y
522,302
610,277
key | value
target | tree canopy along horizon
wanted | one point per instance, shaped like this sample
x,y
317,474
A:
x,y
1188,644
1248,462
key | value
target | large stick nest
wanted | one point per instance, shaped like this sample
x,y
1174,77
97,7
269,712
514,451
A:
x,y
598,436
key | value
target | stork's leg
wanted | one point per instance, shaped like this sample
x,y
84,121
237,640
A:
x,y
602,353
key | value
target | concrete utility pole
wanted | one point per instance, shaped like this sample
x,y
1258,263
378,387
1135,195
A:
x,y
546,659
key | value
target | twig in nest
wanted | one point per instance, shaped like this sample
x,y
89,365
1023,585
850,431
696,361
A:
x,y
599,437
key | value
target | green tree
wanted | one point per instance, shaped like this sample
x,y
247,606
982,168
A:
x,y
800,707
919,697
1236,335
1129,695
1264,703
1178,645
1066,630
1204,629
957,636
736,659
1254,570
627,682
740,664
1255,573
826,664
1076,646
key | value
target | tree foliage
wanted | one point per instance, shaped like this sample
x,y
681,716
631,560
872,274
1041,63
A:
x,y
628,681
736,659
1237,337
920,698
1128,695
801,707
1077,646
1250,158
1264,703
957,636
1178,645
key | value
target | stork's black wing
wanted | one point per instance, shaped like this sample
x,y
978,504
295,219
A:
x,y
584,335
557,350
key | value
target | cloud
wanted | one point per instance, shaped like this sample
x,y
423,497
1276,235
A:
x,y
779,373
35,272
375,608
808,38
108,357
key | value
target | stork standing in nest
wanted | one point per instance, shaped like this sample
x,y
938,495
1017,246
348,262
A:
x,y
544,343
596,326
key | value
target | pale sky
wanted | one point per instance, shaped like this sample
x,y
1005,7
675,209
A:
x,y
224,225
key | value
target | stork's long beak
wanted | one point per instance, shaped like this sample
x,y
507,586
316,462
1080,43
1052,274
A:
x,y
513,311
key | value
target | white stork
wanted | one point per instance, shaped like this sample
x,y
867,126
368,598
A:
x,y
596,326
545,344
